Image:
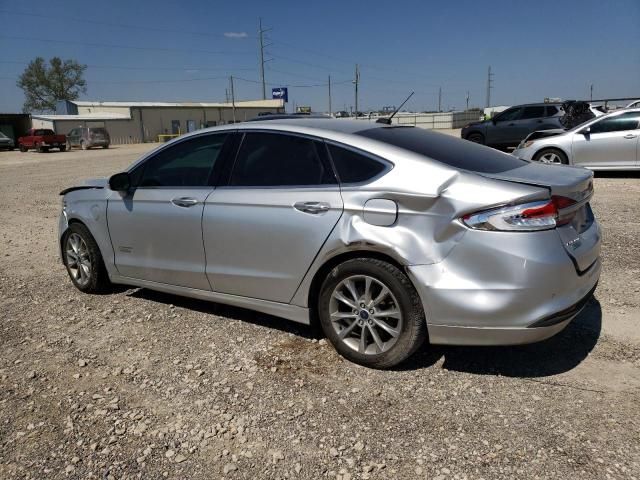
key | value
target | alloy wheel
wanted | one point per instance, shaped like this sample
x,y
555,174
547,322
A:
x,y
78,261
551,157
365,314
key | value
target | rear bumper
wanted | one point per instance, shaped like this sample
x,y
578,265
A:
x,y
502,289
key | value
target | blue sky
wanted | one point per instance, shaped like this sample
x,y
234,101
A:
x,y
185,51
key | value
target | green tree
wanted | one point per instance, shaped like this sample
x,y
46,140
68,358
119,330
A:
x,y
44,85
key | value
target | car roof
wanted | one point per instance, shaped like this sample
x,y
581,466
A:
x,y
323,124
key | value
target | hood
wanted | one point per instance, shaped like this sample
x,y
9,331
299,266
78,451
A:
x,y
545,133
567,181
88,184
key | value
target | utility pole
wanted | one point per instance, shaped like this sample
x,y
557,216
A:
x,y
439,99
467,99
356,81
489,86
226,95
233,100
329,84
261,32
591,92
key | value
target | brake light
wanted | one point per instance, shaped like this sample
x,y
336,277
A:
x,y
526,217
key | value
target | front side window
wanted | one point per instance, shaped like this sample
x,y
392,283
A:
x,y
270,159
619,123
510,114
532,112
353,167
189,163
43,132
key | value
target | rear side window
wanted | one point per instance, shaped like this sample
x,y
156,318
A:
x,y
273,159
446,149
551,110
185,164
354,167
532,112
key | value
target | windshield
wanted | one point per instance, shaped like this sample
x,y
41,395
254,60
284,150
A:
x,y
446,149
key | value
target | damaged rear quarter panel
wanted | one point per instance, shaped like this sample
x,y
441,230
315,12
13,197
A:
x,y
427,227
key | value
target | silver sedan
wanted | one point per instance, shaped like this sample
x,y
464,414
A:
x,y
387,236
609,142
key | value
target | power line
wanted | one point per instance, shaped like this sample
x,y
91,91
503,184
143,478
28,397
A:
x,y
118,25
131,47
128,67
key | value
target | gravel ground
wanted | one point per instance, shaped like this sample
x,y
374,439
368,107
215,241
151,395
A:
x,y
138,384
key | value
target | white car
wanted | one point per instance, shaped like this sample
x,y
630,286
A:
x,y
609,142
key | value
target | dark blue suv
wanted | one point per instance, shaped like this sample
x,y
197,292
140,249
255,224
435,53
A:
x,y
508,128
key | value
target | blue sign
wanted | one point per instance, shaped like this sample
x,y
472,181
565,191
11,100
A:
x,y
280,93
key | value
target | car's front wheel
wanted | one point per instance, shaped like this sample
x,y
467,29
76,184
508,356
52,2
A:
x,y
476,138
551,155
371,313
83,260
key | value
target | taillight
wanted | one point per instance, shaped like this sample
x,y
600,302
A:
x,y
526,217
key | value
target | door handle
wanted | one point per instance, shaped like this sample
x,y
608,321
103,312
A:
x,y
629,136
312,207
184,201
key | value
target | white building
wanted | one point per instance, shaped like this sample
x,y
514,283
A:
x,y
136,122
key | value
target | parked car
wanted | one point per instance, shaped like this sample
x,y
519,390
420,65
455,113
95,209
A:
x,y
610,142
634,104
508,128
6,143
42,140
88,137
387,235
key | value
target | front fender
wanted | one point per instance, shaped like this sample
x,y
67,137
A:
x,y
89,207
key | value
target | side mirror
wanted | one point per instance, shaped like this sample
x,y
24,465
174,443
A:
x,y
586,131
120,182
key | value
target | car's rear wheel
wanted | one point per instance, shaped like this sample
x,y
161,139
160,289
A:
x,y
551,155
63,148
22,148
105,146
371,313
83,260
476,138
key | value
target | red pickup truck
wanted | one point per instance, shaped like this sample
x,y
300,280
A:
x,y
42,139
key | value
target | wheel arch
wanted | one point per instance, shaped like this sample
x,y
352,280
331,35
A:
x,y
329,264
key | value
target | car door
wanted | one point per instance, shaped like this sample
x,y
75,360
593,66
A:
x,y
532,119
609,142
263,230
501,131
156,229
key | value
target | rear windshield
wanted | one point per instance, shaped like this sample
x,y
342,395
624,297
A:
x,y
43,131
446,149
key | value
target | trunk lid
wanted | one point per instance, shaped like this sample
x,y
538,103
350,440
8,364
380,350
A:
x,y
581,235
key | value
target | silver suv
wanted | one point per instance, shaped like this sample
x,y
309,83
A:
x,y
88,137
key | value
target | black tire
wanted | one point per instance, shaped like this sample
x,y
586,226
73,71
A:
x,y
22,148
105,146
98,279
559,154
63,148
39,149
413,331
476,138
